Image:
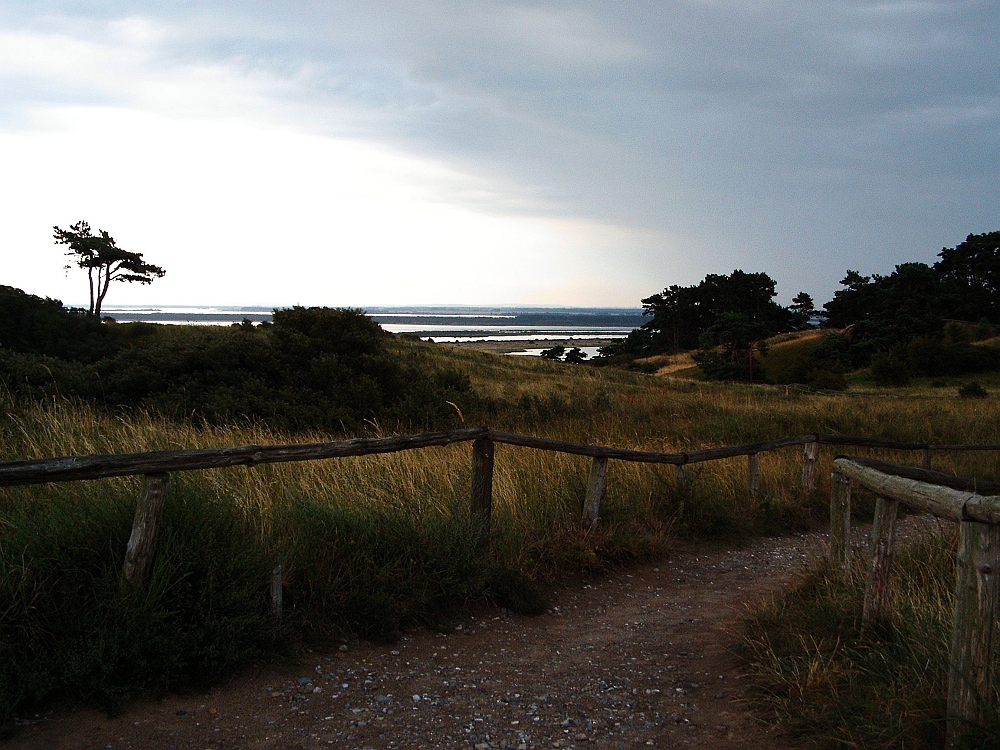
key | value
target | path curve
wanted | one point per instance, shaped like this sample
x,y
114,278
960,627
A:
x,y
639,658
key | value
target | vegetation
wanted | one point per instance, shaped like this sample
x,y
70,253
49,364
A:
x,y
370,545
719,310
104,261
816,674
918,321
313,368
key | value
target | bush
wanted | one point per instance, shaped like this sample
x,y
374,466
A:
x,y
313,368
890,369
972,390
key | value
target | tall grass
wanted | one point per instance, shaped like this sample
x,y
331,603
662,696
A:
x,y
371,544
816,674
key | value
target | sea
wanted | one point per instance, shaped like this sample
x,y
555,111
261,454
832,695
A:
x,y
519,331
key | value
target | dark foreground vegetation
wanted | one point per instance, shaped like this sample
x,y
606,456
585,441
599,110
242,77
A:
x,y
816,674
376,544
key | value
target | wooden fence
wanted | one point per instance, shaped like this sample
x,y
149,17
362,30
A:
x,y
944,495
970,681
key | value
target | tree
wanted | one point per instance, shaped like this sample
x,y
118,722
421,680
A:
x,y
575,356
104,261
802,309
681,314
971,274
555,353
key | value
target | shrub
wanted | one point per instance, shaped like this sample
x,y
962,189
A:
x,y
972,389
890,369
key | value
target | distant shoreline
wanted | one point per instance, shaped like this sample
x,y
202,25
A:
x,y
502,330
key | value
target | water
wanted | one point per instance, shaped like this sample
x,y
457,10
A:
x,y
510,330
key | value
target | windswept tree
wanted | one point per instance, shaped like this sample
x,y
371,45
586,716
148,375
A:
x,y
104,261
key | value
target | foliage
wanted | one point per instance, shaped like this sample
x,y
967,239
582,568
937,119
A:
x,y
819,361
971,273
554,353
34,325
917,304
972,389
819,677
375,544
104,261
739,339
314,367
890,369
680,315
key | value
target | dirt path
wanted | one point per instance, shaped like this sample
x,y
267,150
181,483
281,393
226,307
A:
x,y
637,659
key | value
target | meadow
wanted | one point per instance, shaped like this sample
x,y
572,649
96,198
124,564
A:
x,y
376,544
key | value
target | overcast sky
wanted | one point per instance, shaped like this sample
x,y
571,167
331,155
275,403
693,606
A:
x,y
567,153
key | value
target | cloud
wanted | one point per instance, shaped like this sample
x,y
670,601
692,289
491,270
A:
x,y
710,134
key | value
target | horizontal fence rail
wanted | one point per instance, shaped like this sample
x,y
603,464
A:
x,y
977,592
100,466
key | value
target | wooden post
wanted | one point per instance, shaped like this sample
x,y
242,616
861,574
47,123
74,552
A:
x,y
145,528
682,477
970,686
753,474
482,486
810,457
883,545
276,591
926,463
840,523
595,490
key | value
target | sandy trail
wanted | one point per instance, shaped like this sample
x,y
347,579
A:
x,y
640,658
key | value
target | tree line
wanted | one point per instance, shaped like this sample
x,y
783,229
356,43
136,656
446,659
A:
x,y
918,320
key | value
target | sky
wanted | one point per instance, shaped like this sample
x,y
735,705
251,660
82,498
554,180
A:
x,y
368,152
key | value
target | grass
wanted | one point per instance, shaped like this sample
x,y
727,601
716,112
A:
x,y
373,544
815,674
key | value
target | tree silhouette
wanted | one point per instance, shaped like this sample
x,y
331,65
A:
x,y
104,261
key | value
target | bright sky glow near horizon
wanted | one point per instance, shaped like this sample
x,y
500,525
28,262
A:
x,y
368,152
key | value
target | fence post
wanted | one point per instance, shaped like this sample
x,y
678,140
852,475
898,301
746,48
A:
x,y
682,477
595,490
482,486
753,474
970,686
145,529
926,463
276,589
840,523
810,457
883,547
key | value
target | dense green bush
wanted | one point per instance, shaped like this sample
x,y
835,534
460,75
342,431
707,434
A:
x,y
313,368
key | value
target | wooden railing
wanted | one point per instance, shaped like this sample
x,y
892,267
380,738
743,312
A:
x,y
943,495
156,467
970,680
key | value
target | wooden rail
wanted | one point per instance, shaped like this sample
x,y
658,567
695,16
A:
x,y
156,466
977,594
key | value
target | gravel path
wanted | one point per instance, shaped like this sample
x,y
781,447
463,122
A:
x,y
636,659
